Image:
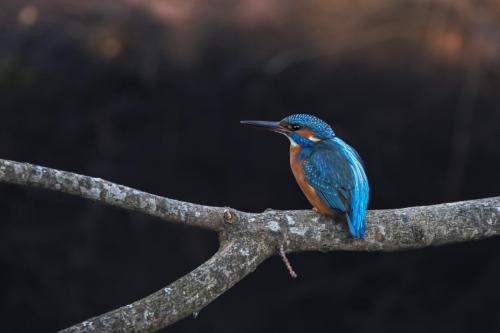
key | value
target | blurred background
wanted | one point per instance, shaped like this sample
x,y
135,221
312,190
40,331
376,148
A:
x,y
149,93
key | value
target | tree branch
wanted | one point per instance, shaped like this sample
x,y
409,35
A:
x,y
387,230
112,194
189,294
247,239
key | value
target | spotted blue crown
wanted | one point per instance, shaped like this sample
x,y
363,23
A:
x,y
320,129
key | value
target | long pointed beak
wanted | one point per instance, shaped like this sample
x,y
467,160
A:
x,y
273,126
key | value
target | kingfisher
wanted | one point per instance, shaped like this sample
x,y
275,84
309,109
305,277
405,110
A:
x,y
329,172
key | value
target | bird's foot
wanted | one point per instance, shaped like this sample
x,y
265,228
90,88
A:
x,y
316,210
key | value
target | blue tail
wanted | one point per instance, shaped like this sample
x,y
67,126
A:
x,y
359,194
356,227
359,202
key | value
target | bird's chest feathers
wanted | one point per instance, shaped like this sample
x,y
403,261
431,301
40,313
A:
x,y
297,163
297,157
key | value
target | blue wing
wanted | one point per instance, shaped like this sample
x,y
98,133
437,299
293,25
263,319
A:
x,y
336,172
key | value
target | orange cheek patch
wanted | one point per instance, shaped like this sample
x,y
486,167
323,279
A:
x,y
306,133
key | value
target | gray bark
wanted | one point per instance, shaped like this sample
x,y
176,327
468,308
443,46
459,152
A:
x,y
247,239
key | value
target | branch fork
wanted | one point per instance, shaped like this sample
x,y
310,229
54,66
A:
x,y
247,239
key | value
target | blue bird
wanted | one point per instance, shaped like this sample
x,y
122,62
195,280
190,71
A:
x,y
329,172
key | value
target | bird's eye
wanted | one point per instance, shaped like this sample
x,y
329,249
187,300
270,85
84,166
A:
x,y
295,127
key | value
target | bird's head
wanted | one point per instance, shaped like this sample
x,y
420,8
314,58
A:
x,y
301,129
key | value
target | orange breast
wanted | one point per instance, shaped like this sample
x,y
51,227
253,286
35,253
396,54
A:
x,y
308,190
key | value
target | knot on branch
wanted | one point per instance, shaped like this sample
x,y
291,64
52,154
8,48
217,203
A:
x,y
229,217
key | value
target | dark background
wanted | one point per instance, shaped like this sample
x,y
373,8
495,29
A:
x,y
150,93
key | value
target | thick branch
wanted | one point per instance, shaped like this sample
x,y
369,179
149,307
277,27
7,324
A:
x,y
188,295
111,194
248,239
387,230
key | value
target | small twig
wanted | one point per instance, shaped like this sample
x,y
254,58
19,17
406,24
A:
x,y
287,262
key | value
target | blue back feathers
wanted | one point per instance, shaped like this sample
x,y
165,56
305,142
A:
x,y
334,170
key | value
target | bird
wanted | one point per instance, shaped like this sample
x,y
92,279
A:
x,y
329,172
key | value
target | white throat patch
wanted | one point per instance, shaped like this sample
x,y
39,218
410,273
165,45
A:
x,y
292,142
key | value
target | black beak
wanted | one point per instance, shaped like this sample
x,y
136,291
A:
x,y
273,126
